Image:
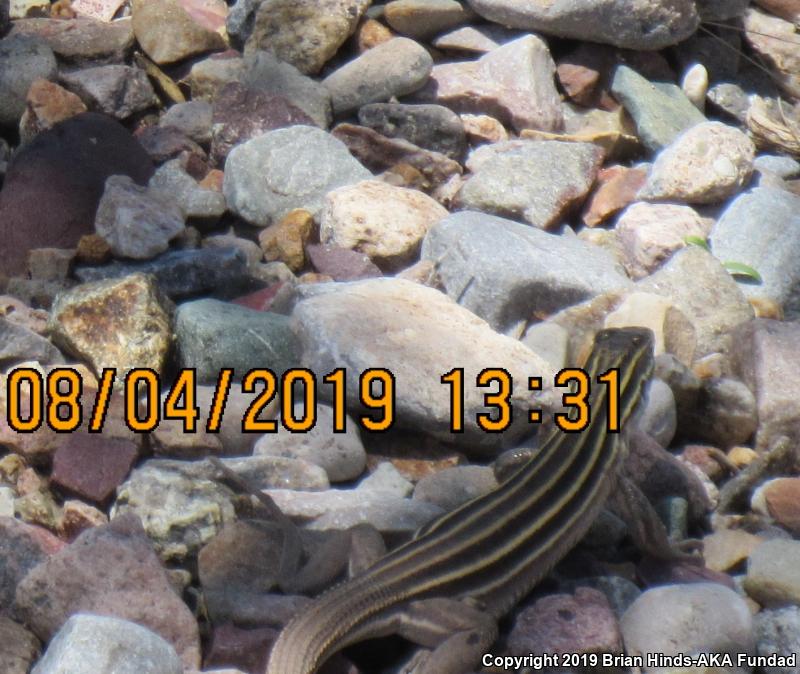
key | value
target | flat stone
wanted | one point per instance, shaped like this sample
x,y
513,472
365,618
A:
x,y
17,343
452,487
305,33
394,68
616,187
45,202
726,549
170,30
93,466
180,274
773,39
341,264
428,333
211,335
122,324
631,25
433,127
660,110
81,41
109,571
704,165
532,272
192,118
502,83
23,60
535,181
477,39
93,644
761,228
773,575
268,176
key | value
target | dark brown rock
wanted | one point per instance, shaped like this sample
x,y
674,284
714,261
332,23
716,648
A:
x,y
165,142
91,466
18,647
241,113
341,264
46,202
246,650
112,571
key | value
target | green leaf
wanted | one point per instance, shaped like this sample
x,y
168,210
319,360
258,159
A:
x,y
740,269
697,241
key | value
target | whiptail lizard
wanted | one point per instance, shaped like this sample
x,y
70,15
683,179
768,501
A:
x,y
447,587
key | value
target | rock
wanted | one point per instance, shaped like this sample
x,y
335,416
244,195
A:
x,y
616,187
782,501
561,623
209,75
341,264
773,576
286,240
706,293
265,72
212,335
115,90
23,60
452,487
165,142
179,274
651,233
724,413
417,322
502,84
379,153
241,114
341,454
422,19
748,232
386,223
660,109
786,9
767,35
93,466
705,164
535,181
345,508
483,129
81,41
721,10
394,68
188,198
778,631
93,644
631,25
192,118
658,418
784,167
476,38
270,175
540,273
20,344
45,202
78,517
693,618
246,648
122,324
726,549
433,127
136,222
385,477
304,33
171,30
46,104
109,571
695,85
19,647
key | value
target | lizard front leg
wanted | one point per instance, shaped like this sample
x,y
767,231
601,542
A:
x,y
457,631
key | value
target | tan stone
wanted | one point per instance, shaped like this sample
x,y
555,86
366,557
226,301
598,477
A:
x,y
286,239
725,549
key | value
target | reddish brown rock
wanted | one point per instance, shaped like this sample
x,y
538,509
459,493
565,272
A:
x,y
241,113
47,104
561,623
615,189
45,202
260,300
246,650
341,264
783,502
786,9
113,571
579,82
91,466
702,457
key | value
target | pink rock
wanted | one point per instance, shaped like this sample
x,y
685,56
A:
x,y
260,300
562,623
617,187
341,264
92,466
111,570
783,501
246,650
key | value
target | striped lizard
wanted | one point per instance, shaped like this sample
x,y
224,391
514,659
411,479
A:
x,y
447,588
